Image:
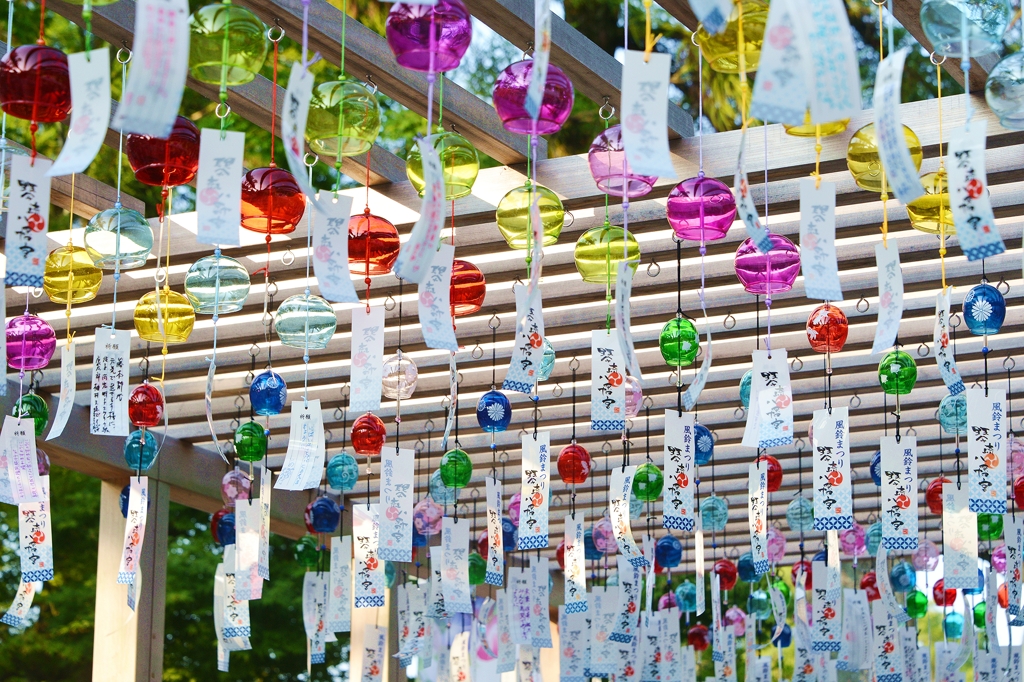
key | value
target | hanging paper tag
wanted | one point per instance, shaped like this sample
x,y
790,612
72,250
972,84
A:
x,y
264,555
236,611
604,603
888,653
303,465
623,290
524,665
208,402
434,306
833,584
330,249
969,199
750,644
817,241
689,664
575,568
3,306
693,391
293,128
134,529
991,636
248,583
618,505
111,361
650,646
396,488
1014,547
367,359
855,652
442,659
67,391
18,447
943,351
885,591
900,170
986,446
506,644
986,666
778,610
28,217
339,602
607,386
369,569
219,187
455,565
495,540
908,642
415,626
826,635
89,74
959,539
573,633
20,606
967,643
533,513
782,88
725,670
152,96
541,57
678,508
945,652
831,60
375,649
770,424
761,668
890,297
35,536
540,623
804,660
671,657
713,14
629,601
833,500
520,605
528,348
645,113
698,553
415,260
453,397
435,603
756,231
899,492
757,498
459,657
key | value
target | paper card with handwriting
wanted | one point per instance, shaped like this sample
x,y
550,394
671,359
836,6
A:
x,y
506,645
833,500
528,350
783,86
265,493
943,350
698,554
540,622
111,365
623,290
28,218
986,449
607,386
455,565
650,646
294,115
826,634
459,660
520,605
618,506
219,187
339,594
369,568
495,538
693,391
18,447
890,296
831,58
671,656
248,583
1014,564
237,620
899,492
959,538
375,651
541,58
775,400
817,240
575,566
435,600
645,113
35,536
535,491
134,529
778,601
415,627
855,649
804,665
885,591
330,248
900,171
976,228
397,469
67,390
367,358
627,621
757,499
574,633
435,310
417,255
303,465
888,653
89,73
156,79
604,606
19,608
680,466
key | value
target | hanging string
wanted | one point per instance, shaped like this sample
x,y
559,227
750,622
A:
x,y
768,261
71,269
3,116
309,250
649,39
341,113
885,188
431,76
942,173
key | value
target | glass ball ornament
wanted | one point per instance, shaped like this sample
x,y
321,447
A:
x,y
727,573
390,574
869,583
368,435
165,162
272,201
979,588
468,288
634,396
344,119
746,382
140,450
864,162
234,486
875,468
745,568
477,569
35,83
343,472
373,246
698,637
33,406
226,529
998,558
701,209
514,504
399,377
30,342
429,38
636,508
118,235
735,618
714,512
808,129
873,538
771,273
214,522
985,21
456,469
686,596
827,329
574,464
853,541
1015,463
322,515
305,321
70,275
774,468
679,342
440,493
547,362
611,170
1004,91
979,614
903,577
217,285
776,544
722,49
805,569
759,604
1018,490
268,393
124,498
953,414
307,552
800,515
145,405
460,164
953,625
251,442
648,482
984,310
560,554
917,604
172,312
704,444
590,551
513,215
228,45
604,536
990,526
933,495
668,601
493,412
897,373
42,463
668,551
426,517
509,97
599,251
1003,596
931,212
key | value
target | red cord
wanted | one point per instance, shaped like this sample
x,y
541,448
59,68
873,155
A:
x,y
273,116
42,22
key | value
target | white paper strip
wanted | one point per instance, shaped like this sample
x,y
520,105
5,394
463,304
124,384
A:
x,y
574,632
435,311
20,606
528,348
575,568
339,600
757,507
817,240
28,218
369,569
899,168
455,565
899,492
607,386
986,447
770,419
219,187
855,652
519,605
265,492
833,501
959,539
541,58
248,583
397,469
713,14
627,620
618,504
416,256
156,81
459,657
375,649
645,113
416,625
803,667
540,622
495,541
745,205
693,391
689,665
679,446
134,529
330,249
943,350
236,612
698,553
671,657
533,511
650,646
833,584
435,602
3,305
506,646
604,602
832,63
888,653
783,87
111,364
1014,565
367,359
945,652
67,390
89,73
976,228
18,447
304,460
623,290
35,535
293,128
890,297
826,634
888,598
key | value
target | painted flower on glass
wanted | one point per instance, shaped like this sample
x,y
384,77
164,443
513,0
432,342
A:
x,y
495,411
704,443
981,310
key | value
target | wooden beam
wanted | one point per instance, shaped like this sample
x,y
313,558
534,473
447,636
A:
x,y
253,101
593,72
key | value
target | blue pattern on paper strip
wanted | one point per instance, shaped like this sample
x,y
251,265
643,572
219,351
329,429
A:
x,y
608,425
11,619
493,578
775,442
405,661
123,577
238,632
639,562
37,576
530,542
317,658
826,646
19,279
717,656
761,567
392,554
843,665
988,506
518,386
894,677
976,253
576,607
833,523
620,638
899,543
678,523
369,602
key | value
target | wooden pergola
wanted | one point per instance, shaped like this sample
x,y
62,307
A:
x,y
188,469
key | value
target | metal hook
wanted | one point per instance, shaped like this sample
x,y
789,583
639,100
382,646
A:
x,y
729,322
390,303
369,79
867,306
287,258
793,364
280,29
1013,363
653,268
494,323
124,49
855,401
307,162
926,350
227,110
557,391
606,448
739,413
574,364
607,110
478,352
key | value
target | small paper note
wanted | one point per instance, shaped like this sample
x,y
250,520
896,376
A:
x,y
943,350
367,358
575,566
535,490
18,448
757,503
817,240
645,113
434,301
219,187
890,296
976,228
35,536
826,634
959,539
303,465
745,205
417,255
680,466
528,348
495,540
89,74
339,594
369,568
833,500
134,529
899,492
713,14
623,290
111,365
621,487
330,249
397,469
693,391
607,386
986,448
885,591
67,391
900,170
541,57
28,218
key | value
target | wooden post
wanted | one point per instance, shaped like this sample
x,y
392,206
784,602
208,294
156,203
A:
x,y
129,645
